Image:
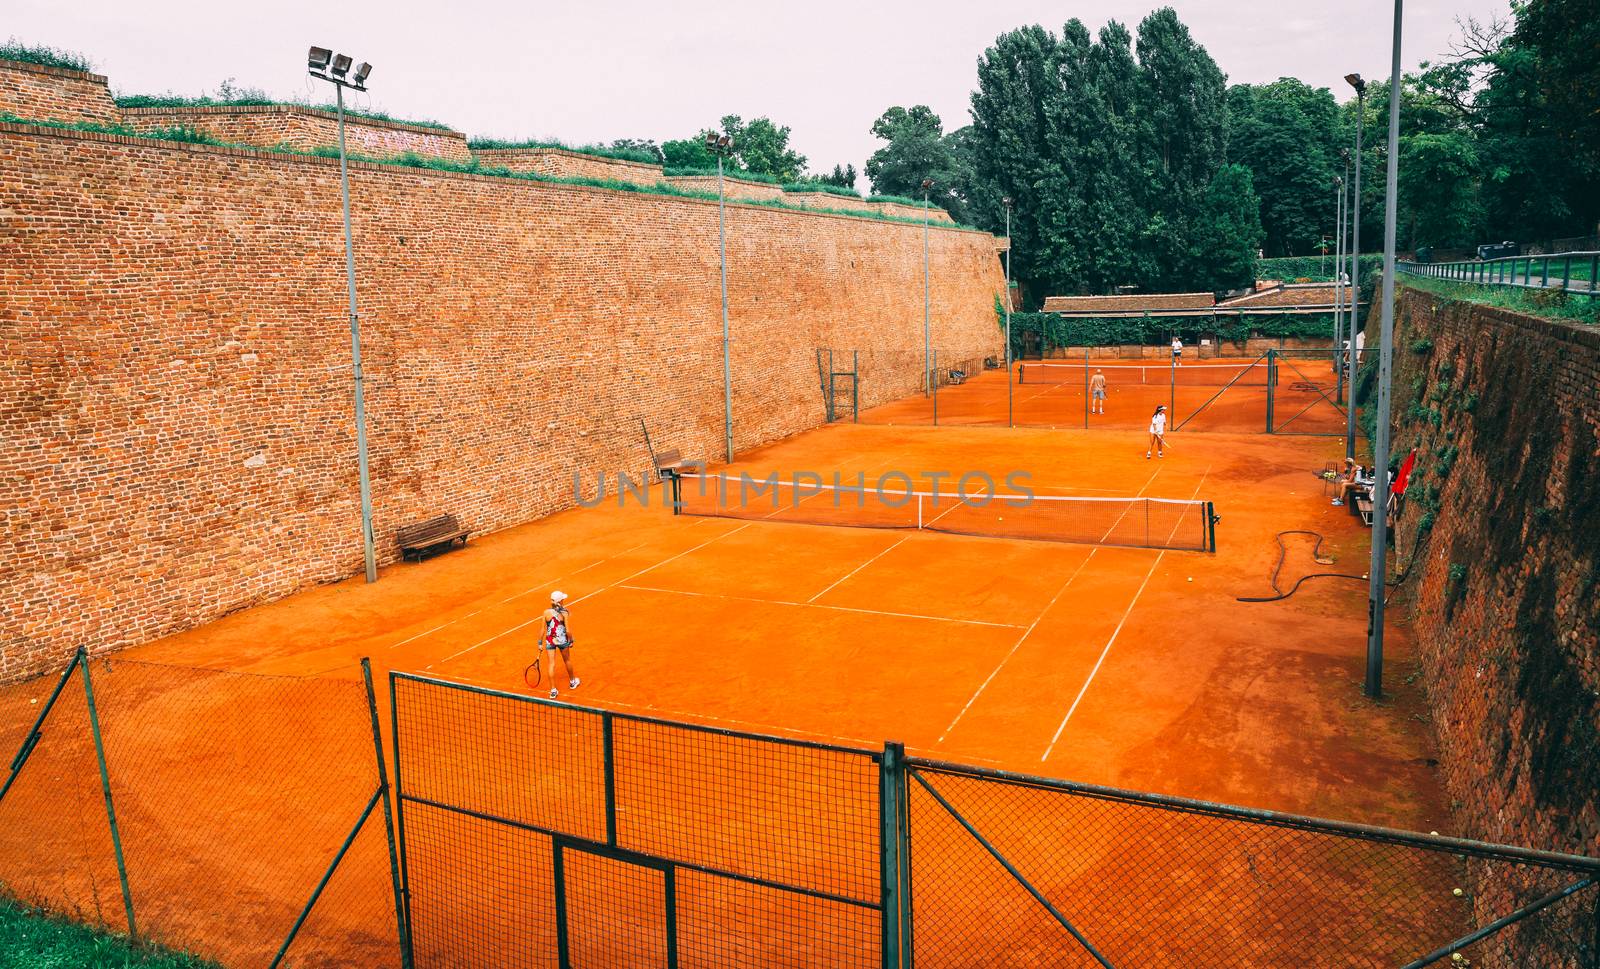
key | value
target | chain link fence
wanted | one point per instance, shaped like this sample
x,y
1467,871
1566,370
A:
x,y
201,810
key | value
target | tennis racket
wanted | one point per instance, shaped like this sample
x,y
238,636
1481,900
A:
x,y
532,675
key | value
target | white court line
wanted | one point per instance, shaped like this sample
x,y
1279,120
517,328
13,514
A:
x,y
596,592
1018,644
1107,651
818,605
856,569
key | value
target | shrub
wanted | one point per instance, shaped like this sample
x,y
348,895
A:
x,y
15,50
257,99
599,151
828,187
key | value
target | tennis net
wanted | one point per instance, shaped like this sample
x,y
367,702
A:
x,y
1117,375
1163,523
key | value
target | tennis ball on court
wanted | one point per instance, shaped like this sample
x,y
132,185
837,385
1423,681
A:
x,y
1457,892
1191,578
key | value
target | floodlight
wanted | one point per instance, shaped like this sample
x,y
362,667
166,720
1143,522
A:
x,y
1006,201
1344,154
318,58
711,140
725,142
361,73
1355,81
927,183
341,65
1338,181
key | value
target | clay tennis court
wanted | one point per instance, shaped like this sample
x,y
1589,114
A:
x,y
1294,391
1123,666
1117,665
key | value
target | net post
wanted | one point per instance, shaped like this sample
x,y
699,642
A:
x,y
611,777
1272,384
31,739
388,818
105,787
400,805
1210,526
891,796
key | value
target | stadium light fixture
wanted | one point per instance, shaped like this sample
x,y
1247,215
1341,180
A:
x,y
324,65
1355,81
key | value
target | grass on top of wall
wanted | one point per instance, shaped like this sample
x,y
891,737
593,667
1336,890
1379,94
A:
x,y
899,200
15,50
601,151
176,101
32,938
1314,268
831,189
730,172
1552,304
474,167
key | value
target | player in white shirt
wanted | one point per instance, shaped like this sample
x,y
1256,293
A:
x,y
1158,431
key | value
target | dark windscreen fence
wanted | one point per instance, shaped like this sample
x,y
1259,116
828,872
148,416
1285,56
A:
x,y
541,834
1177,524
1002,865
1249,374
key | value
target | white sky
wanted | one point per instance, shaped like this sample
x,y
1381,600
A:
x,y
595,70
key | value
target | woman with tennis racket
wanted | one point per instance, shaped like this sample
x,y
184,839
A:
x,y
1158,432
556,637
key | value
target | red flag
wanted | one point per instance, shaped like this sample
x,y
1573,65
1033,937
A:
x,y
1403,479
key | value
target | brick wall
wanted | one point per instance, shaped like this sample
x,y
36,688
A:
x,y
55,94
827,200
175,373
296,126
570,164
935,213
733,188
1504,411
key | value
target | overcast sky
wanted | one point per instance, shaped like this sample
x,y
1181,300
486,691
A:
x,y
595,70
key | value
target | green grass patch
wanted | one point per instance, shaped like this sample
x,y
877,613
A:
x,y
838,190
1314,268
898,200
599,151
37,940
15,50
1552,304
175,101
727,173
473,167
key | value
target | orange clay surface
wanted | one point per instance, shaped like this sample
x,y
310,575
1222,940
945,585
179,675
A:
x,y
1118,666
1127,667
1201,395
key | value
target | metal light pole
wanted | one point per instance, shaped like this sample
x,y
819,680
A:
x,y
325,66
1355,269
722,146
1380,449
1338,269
927,331
1010,418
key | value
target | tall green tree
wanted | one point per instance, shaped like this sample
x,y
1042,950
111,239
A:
x,y
914,150
687,153
1227,232
1287,133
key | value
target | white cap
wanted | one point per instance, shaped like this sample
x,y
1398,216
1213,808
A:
x,y
558,597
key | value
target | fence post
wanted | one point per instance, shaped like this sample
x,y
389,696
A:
x,y
406,955
891,797
105,786
608,747
1272,383
30,740
399,795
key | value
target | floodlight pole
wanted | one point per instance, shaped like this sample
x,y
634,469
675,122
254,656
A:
x,y
1338,270
368,547
1010,416
1380,451
727,363
1355,277
927,331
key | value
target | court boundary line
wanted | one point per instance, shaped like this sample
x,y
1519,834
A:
x,y
1095,670
822,605
1046,610
835,584
590,595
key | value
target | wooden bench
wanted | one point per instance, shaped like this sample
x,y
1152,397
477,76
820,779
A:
x,y
438,534
670,464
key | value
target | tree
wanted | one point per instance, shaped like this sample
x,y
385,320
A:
x,y
687,153
1227,232
763,148
915,150
644,146
844,177
1287,134
1439,184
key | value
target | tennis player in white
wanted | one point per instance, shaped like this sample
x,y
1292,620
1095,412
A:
x,y
1158,431
558,638
1097,392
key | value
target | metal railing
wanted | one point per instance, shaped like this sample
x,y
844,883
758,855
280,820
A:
x,y
1571,272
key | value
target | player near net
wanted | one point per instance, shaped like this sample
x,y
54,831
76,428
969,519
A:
x,y
1158,432
557,637
1097,392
